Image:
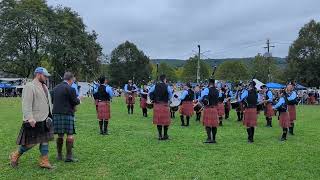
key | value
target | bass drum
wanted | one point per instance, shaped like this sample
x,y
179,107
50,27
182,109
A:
x,y
174,104
235,104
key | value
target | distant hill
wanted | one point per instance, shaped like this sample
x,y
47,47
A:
x,y
213,62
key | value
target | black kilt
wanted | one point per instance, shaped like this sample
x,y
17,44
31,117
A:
x,y
41,133
63,124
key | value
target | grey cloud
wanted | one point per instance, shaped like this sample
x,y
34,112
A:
x,y
173,28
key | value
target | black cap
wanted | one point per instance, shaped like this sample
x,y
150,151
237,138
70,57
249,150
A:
x,y
212,81
102,79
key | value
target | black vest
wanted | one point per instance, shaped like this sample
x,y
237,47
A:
x,y
102,95
213,96
161,93
251,100
267,97
130,87
283,107
221,99
190,96
293,102
144,95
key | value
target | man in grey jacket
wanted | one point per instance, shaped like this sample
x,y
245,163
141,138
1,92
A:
x,y
37,123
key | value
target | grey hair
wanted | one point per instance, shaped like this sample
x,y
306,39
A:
x,y
68,76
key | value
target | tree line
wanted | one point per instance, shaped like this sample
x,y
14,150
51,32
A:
x,y
34,34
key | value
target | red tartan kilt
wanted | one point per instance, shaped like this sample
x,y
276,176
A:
x,y
228,105
268,111
240,108
220,109
250,117
284,121
132,101
312,100
143,103
103,110
292,113
186,108
210,117
161,114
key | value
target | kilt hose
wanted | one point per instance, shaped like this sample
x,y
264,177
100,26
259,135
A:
x,y
143,103
37,135
292,113
268,111
161,114
132,100
250,117
63,124
186,109
210,117
284,121
103,110
220,109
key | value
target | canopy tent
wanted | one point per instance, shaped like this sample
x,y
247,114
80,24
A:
x,y
300,87
258,83
272,85
6,86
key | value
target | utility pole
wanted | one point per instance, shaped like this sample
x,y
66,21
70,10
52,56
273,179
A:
x,y
268,55
198,66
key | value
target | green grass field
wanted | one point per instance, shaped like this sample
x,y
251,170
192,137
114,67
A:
x,y
132,150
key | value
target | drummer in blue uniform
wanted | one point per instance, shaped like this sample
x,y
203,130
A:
x,y
186,108
130,90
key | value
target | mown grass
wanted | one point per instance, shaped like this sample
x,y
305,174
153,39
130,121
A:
x,y
132,151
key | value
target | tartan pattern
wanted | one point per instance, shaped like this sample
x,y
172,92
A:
x,y
268,111
210,117
132,101
220,109
28,136
143,103
250,117
63,124
292,113
161,114
103,110
284,120
186,108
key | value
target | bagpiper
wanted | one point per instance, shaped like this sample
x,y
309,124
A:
x,y
161,93
292,102
143,100
130,90
249,98
186,108
282,108
104,96
209,97
268,100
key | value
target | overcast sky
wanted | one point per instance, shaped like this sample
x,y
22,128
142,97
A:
x,y
174,28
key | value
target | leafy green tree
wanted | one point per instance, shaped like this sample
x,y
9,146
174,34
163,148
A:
x,y
164,68
304,56
128,62
232,71
190,70
260,65
23,37
33,34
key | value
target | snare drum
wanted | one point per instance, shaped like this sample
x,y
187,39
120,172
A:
x,y
235,104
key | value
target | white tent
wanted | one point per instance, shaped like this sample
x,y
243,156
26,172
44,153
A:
x,y
258,83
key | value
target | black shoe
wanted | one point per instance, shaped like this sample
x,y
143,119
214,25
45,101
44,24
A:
x,y
208,141
283,139
72,160
165,137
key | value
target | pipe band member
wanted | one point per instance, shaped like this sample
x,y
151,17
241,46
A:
x,y
104,96
250,100
37,125
197,94
268,111
239,108
221,110
130,90
143,100
161,93
186,109
292,102
227,102
282,108
209,97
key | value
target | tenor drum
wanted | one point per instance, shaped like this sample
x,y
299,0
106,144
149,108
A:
x,y
198,107
174,105
149,103
235,104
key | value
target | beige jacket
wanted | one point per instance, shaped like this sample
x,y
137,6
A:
x,y
35,103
